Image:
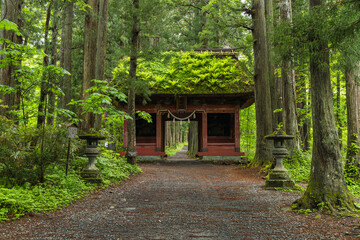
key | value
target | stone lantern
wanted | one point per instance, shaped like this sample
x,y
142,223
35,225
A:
x,y
279,177
91,172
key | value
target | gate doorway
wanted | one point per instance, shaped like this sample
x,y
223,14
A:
x,y
179,137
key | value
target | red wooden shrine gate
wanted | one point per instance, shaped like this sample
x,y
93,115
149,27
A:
x,y
217,116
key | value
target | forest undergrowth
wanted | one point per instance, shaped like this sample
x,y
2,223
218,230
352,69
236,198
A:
x,y
299,167
33,176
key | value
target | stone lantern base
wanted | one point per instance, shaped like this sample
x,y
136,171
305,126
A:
x,y
279,179
92,176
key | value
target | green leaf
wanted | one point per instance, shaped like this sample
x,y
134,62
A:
x,y
10,26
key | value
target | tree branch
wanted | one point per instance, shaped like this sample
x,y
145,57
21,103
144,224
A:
x,y
244,26
191,5
194,6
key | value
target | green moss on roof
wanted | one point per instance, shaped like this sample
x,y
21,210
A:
x,y
189,73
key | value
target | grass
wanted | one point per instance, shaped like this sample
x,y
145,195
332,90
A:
x,y
174,149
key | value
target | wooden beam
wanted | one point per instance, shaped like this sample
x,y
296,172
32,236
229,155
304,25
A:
x,y
204,132
237,129
221,150
159,134
218,108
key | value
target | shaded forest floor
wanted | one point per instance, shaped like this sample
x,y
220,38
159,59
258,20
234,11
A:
x,y
189,201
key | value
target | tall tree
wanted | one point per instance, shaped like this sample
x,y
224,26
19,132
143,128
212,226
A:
x,y
42,107
288,80
66,54
263,152
101,48
89,65
327,185
131,151
10,10
275,91
338,119
53,80
352,103
302,103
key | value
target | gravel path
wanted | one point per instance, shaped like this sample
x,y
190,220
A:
x,y
181,155
183,201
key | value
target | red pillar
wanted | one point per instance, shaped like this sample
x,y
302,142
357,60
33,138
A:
x,y
158,132
204,132
237,129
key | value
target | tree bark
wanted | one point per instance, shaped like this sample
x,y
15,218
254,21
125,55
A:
x,y
263,152
338,108
90,35
174,134
10,10
168,134
53,61
42,108
274,89
304,129
288,80
131,154
193,147
327,185
65,57
101,49
352,153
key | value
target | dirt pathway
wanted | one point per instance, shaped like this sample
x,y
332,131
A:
x,y
181,155
183,202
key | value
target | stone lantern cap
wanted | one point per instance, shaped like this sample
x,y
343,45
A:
x,y
92,139
279,135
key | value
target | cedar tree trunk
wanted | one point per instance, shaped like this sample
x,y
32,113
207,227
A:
x,y
352,154
287,74
274,90
327,185
131,151
65,57
53,61
90,35
10,10
263,152
42,108
101,49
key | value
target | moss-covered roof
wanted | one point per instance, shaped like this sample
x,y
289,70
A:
x,y
190,73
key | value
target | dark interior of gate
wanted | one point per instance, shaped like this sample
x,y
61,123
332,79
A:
x,y
217,117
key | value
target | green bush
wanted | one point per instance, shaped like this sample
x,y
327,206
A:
x,y
27,152
55,193
114,168
59,190
32,170
299,166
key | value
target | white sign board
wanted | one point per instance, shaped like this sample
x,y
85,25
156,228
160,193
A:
x,y
72,132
